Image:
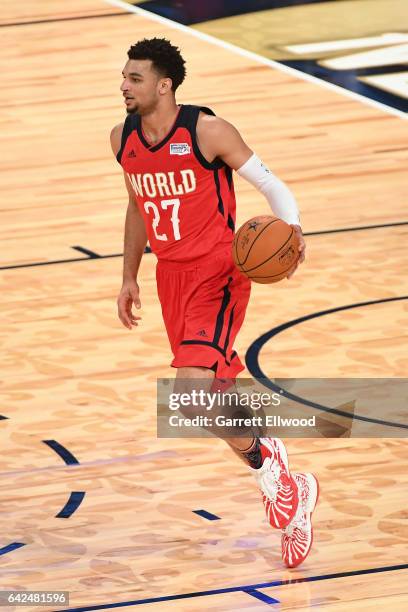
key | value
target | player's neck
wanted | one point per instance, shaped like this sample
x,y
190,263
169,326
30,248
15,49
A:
x,y
157,124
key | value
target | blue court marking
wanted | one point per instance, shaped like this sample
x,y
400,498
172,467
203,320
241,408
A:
x,y
63,452
76,497
2,417
261,596
91,255
252,362
188,12
11,547
244,588
73,503
207,515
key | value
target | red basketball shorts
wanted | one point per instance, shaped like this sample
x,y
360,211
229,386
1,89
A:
x,y
203,306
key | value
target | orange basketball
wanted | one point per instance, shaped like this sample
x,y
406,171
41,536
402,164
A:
x,y
265,248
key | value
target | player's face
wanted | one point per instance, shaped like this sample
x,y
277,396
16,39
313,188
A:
x,y
140,86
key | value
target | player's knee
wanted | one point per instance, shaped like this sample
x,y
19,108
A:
x,y
196,372
192,378
189,382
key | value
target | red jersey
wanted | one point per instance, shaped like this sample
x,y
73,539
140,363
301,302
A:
x,y
187,203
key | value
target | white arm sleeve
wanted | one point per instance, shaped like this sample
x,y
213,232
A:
x,y
280,198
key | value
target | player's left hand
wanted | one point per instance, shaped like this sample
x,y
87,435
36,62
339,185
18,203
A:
x,y
302,249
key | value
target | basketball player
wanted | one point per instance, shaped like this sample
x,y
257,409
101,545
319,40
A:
x,y
177,162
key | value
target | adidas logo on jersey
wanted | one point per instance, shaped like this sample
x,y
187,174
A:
x,y
179,148
131,153
202,332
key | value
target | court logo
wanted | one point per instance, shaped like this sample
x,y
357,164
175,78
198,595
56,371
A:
x,y
377,61
179,148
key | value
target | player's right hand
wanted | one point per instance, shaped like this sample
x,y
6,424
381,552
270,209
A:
x,y
129,295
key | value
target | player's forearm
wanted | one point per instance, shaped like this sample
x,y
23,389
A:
x,y
134,243
277,193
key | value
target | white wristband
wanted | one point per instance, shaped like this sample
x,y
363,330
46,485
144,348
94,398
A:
x,y
280,198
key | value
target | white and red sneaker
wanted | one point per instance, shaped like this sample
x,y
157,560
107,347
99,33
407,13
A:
x,y
279,490
297,537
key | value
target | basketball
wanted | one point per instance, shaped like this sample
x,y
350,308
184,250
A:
x,y
265,248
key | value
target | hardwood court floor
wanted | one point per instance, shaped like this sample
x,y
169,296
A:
x,y
73,375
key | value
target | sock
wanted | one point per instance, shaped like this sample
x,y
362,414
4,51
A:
x,y
253,454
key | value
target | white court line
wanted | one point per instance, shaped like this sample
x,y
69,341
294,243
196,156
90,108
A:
x,y
257,58
348,44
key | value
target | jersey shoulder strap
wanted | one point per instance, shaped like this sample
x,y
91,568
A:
x,y
189,120
128,127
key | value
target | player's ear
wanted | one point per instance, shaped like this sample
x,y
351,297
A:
x,y
165,85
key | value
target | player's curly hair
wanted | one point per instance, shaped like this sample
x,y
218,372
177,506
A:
x,y
165,57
